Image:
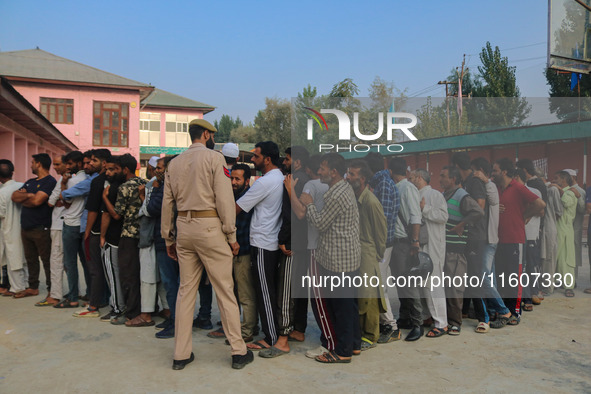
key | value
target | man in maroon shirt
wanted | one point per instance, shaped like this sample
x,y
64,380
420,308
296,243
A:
x,y
517,205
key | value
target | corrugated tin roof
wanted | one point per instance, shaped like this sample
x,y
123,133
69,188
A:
x,y
39,64
162,98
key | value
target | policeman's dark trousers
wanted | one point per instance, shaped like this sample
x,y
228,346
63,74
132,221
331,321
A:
x,y
129,272
342,309
265,266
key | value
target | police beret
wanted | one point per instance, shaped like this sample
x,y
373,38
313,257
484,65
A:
x,y
203,123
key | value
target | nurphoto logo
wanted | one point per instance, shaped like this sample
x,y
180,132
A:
x,y
344,131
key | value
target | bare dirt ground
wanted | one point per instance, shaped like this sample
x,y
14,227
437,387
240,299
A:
x,y
48,350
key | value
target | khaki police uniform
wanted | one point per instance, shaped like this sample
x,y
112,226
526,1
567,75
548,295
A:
x,y
202,194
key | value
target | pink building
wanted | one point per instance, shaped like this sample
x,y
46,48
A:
x,y
94,108
164,123
25,132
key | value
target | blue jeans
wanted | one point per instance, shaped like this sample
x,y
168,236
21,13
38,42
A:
x,y
73,247
169,275
489,290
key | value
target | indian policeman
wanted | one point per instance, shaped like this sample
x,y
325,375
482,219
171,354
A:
x,y
204,237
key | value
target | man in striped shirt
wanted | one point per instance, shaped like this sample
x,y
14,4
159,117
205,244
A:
x,y
462,210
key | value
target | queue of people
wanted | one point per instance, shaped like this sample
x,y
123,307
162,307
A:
x,y
199,224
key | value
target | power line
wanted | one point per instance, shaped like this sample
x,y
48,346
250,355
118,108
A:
x,y
513,48
421,91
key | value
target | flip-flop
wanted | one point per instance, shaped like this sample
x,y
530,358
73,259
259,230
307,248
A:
x,y
219,333
332,358
65,303
290,338
513,320
569,293
45,303
260,345
436,332
500,322
366,344
482,328
587,291
272,352
142,323
454,330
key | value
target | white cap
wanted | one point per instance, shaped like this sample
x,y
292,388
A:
x,y
153,161
231,150
570,172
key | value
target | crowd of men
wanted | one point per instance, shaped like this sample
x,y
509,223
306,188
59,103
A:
x,y
198,224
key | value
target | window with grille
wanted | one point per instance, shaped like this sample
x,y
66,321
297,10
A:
x,y
57,110
110,124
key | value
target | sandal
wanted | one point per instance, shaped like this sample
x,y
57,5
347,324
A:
x,y
44,302
272,352
65,303
366,344
528,307
436,332
482,328
139,323
513,320
500,322
454,330
219,333
569,293
332,358
260,345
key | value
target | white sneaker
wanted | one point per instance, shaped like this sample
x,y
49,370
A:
x,y
319,351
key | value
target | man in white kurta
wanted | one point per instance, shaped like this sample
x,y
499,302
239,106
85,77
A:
x,y
565,265
12,253
578,222
549,251
434,214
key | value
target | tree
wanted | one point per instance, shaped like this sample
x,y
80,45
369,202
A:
x,y
432,120
345,88
245,134
496,79
274,122
564,102
225,126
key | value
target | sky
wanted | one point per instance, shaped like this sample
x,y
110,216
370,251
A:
x,y
234,54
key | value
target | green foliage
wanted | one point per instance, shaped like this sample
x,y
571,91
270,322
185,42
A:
x,y
225,126
573,108
345,88
244,134
494,100
274,122
498,77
